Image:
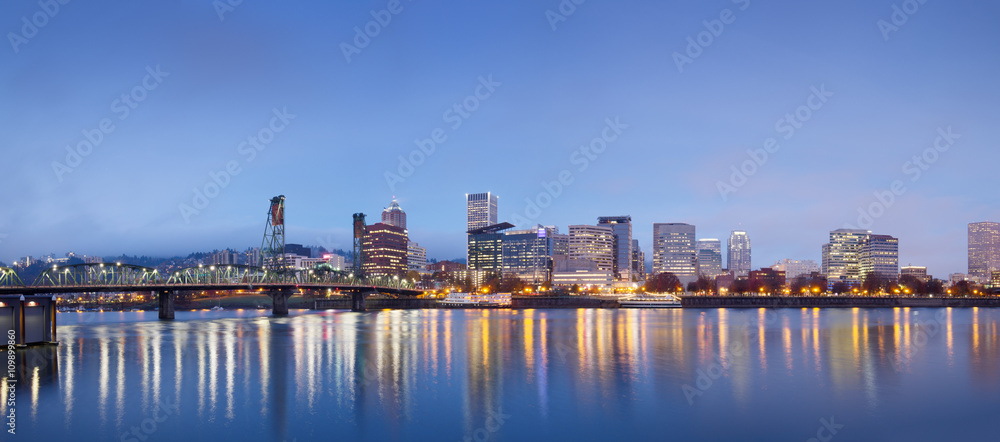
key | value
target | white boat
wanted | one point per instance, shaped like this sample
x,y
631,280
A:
x,y
218,307
650,301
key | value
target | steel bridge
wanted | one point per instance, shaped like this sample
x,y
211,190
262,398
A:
x,y
118,277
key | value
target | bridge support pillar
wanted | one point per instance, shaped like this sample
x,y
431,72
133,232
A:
x,y
280,302
166,299
358,302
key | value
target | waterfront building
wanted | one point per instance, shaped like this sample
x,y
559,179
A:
x,y
416,256
984,250
593,243
767,278
638,262
621,228
709,257
338,262
738,253
674,251
919,272
581,272
485,247
385,249
527,253
842,256
394,215
880,255
956,278
794,268
446,266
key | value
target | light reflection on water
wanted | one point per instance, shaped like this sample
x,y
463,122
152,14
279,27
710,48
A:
x,y
566,374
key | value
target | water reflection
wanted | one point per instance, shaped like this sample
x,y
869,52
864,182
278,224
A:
x,y
401,374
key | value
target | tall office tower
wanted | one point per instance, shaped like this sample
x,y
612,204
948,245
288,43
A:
x,y
527,253
385,249
738,253
486,248
593,243
825,266
621,226
638,262
880,255
560,245
794,268
481,210
416,256
709,257
984,250
394,215
674,251
843,257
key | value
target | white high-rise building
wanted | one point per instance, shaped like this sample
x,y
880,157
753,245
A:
x,y
880,255
416,256
842,256
481,210
593,243
709,257
738,253
984,250
674,251
621,226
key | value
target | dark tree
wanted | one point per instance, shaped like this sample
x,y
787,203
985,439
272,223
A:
x,y
741,286
664,283
876,283
934,287
963,288
841,287
912,285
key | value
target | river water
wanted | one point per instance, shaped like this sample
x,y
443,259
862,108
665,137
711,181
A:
x,y
756,374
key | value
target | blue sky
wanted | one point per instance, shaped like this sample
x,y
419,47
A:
x,y
222,80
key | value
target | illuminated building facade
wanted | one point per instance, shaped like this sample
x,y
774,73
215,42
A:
x,y
593,243
880,255
621,228
984,250
738,253
386,249
674,251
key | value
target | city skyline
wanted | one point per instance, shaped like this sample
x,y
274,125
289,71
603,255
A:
x,y
234,100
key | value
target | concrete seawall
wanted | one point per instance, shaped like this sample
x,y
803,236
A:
x,y
831,301
561,302
375,303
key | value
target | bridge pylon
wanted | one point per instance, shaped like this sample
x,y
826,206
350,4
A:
x,y
272,247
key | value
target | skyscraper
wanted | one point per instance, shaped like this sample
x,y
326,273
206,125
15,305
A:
x,y
842,256
386,249
638,262
738,253
621,227
984,250
593,243
527,253
394,215
709,257
486,248
674,251
880,255
481,210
